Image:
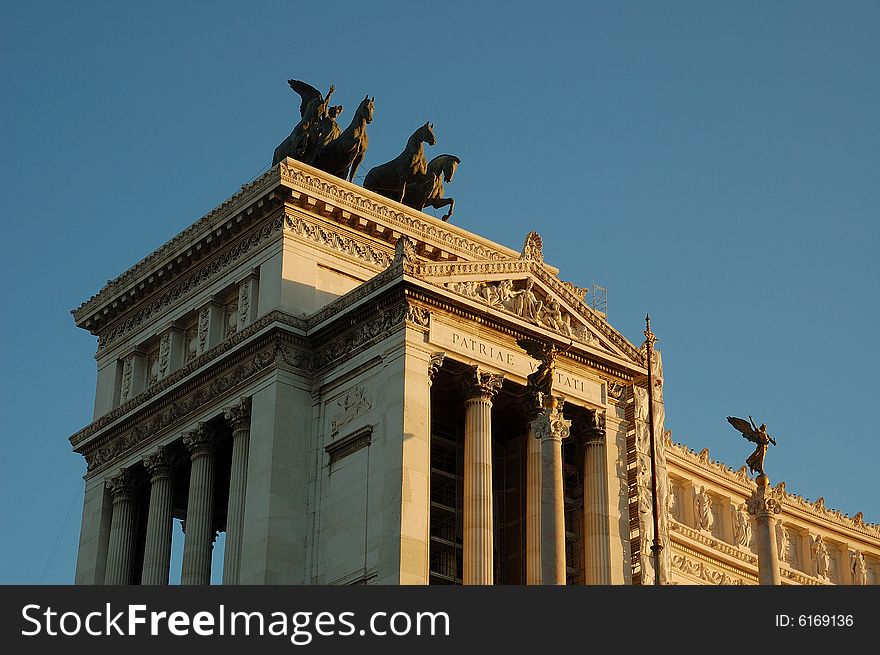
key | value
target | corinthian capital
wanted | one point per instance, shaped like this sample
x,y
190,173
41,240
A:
x,y
550,424
200,441
481,384
122,485
160,462
764,500
434,365
239,415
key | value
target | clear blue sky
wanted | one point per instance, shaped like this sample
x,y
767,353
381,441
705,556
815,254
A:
x,y
714,164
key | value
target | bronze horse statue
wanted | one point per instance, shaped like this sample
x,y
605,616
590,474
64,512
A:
x,y
426,189
302,143
390,179
342,156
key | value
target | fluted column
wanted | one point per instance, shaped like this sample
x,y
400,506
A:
x,y
157,551
478,562
550,428
533,509
240,418
122,526
597,536
199,509
763,505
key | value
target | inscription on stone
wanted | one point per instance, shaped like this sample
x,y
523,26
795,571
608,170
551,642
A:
x,y
482,349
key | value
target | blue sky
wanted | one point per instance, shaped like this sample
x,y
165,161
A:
x,y
714,165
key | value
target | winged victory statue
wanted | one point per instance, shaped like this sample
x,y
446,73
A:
x,y
757,435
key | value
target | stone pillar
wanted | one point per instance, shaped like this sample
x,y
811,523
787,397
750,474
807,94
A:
x,y
597,530
550,428
763,505
134,375
196,569
240,417
533,508
157,551
247,299
172,346
122,528
477,555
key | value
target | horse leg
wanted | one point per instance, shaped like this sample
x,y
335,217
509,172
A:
x,y
358,158
437,203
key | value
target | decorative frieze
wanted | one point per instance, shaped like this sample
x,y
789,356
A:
x,y
362,337
336,241
702,571
424,229
713,543
189,284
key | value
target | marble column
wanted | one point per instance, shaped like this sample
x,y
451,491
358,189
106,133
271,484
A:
x,y
477,555
197,546
597,530
157,551
533,508
550,428
122,528
240,418
763,505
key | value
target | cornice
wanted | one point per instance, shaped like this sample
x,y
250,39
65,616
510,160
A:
x,y
228,217
193,366
792,503
392,214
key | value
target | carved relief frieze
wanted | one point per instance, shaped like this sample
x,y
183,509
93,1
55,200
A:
x,y
335,241
292,356
192,282
353,404
702,571
424,229
125,390
363,336
522,298
713,543
177,412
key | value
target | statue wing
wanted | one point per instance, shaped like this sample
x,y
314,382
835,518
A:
x,y
306,92
534,349
744,427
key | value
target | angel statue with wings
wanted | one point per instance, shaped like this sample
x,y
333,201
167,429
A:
x,y
315,124
756,435
540,382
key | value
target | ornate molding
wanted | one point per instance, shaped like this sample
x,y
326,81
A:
x,y
427,230
418,317
788,500
177,412
702,571
295,358
365,335
205,273
335,241
347,445
713,543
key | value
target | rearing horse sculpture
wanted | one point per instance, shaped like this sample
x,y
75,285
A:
x,y
427,189
342,156
390,179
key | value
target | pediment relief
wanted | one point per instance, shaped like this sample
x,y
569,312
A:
x,y
524,289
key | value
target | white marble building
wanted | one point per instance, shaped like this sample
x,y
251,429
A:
x,y
333,380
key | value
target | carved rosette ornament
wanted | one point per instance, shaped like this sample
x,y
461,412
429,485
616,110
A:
x,y
160,462
200,441
239,415
434,365
122,486
481,384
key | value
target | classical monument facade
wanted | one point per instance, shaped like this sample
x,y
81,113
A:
x,y
334,379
